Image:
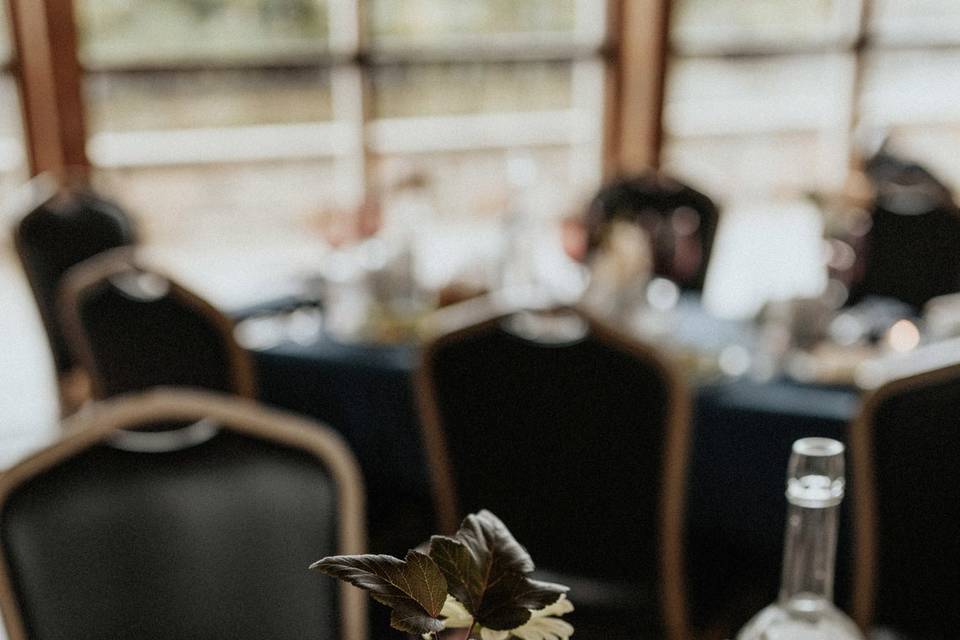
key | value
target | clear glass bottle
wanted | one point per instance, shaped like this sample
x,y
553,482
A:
x,y
805,609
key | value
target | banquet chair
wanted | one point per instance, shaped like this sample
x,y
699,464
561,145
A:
x,y
577,438
905,453
132,328
910,250
680,222
113,533
62,227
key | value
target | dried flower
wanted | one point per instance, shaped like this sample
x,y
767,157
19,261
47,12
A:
x,y
544,624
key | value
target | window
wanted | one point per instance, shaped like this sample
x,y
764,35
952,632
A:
x,y
13,160
254,109
770,99
759,95
910,80
210,116
217,113
767,101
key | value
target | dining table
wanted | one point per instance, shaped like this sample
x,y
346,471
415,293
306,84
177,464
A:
x,y
742,433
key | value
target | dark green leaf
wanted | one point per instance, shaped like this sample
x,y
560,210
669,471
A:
x,y
486,570
414,588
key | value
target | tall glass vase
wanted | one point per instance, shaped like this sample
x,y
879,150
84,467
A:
x,y
804,609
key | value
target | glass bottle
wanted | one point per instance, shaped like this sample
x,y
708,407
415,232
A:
x,y
805,609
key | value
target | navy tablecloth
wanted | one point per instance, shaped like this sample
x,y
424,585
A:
x,y
742,435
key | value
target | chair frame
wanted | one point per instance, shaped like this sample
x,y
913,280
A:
x,y
96,423
866,518
491,311
73,384
90,274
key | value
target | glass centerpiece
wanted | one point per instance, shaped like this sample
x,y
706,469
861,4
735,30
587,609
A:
x,y
805,609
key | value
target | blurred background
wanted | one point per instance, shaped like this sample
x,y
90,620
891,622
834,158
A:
x,y
244,136
762,190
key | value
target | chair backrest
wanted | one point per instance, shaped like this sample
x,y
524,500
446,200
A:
x,y
905,449
680,221
579,445
910,252
59,231
112,534
132,328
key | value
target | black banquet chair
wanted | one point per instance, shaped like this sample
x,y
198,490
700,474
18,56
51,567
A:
x,y
133,328
905,450
577,438
910,250
680,221
117,534
61,228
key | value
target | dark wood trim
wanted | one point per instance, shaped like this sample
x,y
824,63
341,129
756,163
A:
x,y
863,42
280,64
49,79
762,50
611,137
469,53
35,80
636,79
519,52
478,316
98,422
68,80
860,48
95,272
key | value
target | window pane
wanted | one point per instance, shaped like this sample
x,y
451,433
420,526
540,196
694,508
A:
x,y
918,22
125,32
6,47
435,89
13,158
184,99
453,180
910,95
700,26
441,22
460,199
154,128
466,127
187,142
911,87
720,96
784,165
211,201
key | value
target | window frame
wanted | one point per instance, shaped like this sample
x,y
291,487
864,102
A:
x,y
49,74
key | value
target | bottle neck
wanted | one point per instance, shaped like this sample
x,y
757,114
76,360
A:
x,y
809,554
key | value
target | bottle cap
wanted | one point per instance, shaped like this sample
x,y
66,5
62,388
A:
x,y
815,476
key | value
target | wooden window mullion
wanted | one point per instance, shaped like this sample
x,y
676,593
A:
x,y
49,78
636,76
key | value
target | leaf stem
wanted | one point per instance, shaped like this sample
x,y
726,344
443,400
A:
x,y
470,631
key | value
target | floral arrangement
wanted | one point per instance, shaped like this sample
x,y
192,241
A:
x,y
478,579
